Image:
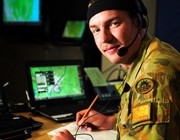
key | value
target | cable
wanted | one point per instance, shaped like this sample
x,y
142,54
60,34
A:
x,y
84,134
83,123
112,73
121,73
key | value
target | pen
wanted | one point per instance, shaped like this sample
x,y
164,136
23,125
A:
x,y
87,111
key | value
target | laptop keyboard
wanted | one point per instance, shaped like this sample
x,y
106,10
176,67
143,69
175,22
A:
x,y
15,124
5,116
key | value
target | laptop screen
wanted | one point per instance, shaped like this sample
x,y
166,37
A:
x,y
51,80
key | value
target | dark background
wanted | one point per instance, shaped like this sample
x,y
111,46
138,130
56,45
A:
x,y
168,22
21,43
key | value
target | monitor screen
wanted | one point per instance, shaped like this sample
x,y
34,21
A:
x,y
74,29
21,11
53,80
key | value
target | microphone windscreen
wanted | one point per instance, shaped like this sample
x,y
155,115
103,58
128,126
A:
x,y
122,51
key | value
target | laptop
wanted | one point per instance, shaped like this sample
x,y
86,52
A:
x,y
56,88
14,126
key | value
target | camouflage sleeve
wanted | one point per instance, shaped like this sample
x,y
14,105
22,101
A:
x,y
154,110
153,114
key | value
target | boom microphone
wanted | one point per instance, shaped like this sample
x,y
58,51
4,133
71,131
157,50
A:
x,y
123,51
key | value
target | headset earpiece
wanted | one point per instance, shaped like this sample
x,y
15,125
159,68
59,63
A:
x,y
141,11
143,22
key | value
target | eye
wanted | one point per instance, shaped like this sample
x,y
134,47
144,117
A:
x,y
115,24
95,30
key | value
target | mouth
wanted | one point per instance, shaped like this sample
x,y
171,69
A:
x,y
111,49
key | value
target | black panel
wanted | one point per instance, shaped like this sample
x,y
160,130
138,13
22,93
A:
x,y
168,22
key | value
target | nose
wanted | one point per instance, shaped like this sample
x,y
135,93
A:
x,y
106,36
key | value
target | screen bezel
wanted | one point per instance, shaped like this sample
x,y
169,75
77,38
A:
x,y
53,63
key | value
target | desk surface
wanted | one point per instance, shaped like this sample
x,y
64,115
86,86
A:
x,y
48,125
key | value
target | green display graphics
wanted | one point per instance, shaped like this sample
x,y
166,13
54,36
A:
x,y
56,82
74,29
21,11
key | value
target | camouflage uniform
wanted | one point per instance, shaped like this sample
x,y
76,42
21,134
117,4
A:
x,y
150,94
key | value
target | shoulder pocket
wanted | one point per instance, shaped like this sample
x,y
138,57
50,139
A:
x,y
157,111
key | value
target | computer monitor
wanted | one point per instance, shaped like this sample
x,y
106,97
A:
x,y
53,80
22,12
74,30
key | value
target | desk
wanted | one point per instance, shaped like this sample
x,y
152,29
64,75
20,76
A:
x,y
48,125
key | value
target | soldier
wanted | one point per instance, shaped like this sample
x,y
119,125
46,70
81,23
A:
x,y
150,93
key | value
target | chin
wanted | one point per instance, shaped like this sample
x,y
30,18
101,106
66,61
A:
x,y
115,60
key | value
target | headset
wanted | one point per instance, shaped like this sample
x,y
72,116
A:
x,y
141,12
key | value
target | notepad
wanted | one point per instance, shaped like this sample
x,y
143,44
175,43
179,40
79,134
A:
x,y
86,135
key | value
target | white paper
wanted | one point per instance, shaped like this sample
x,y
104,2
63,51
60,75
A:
x,y
97,135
